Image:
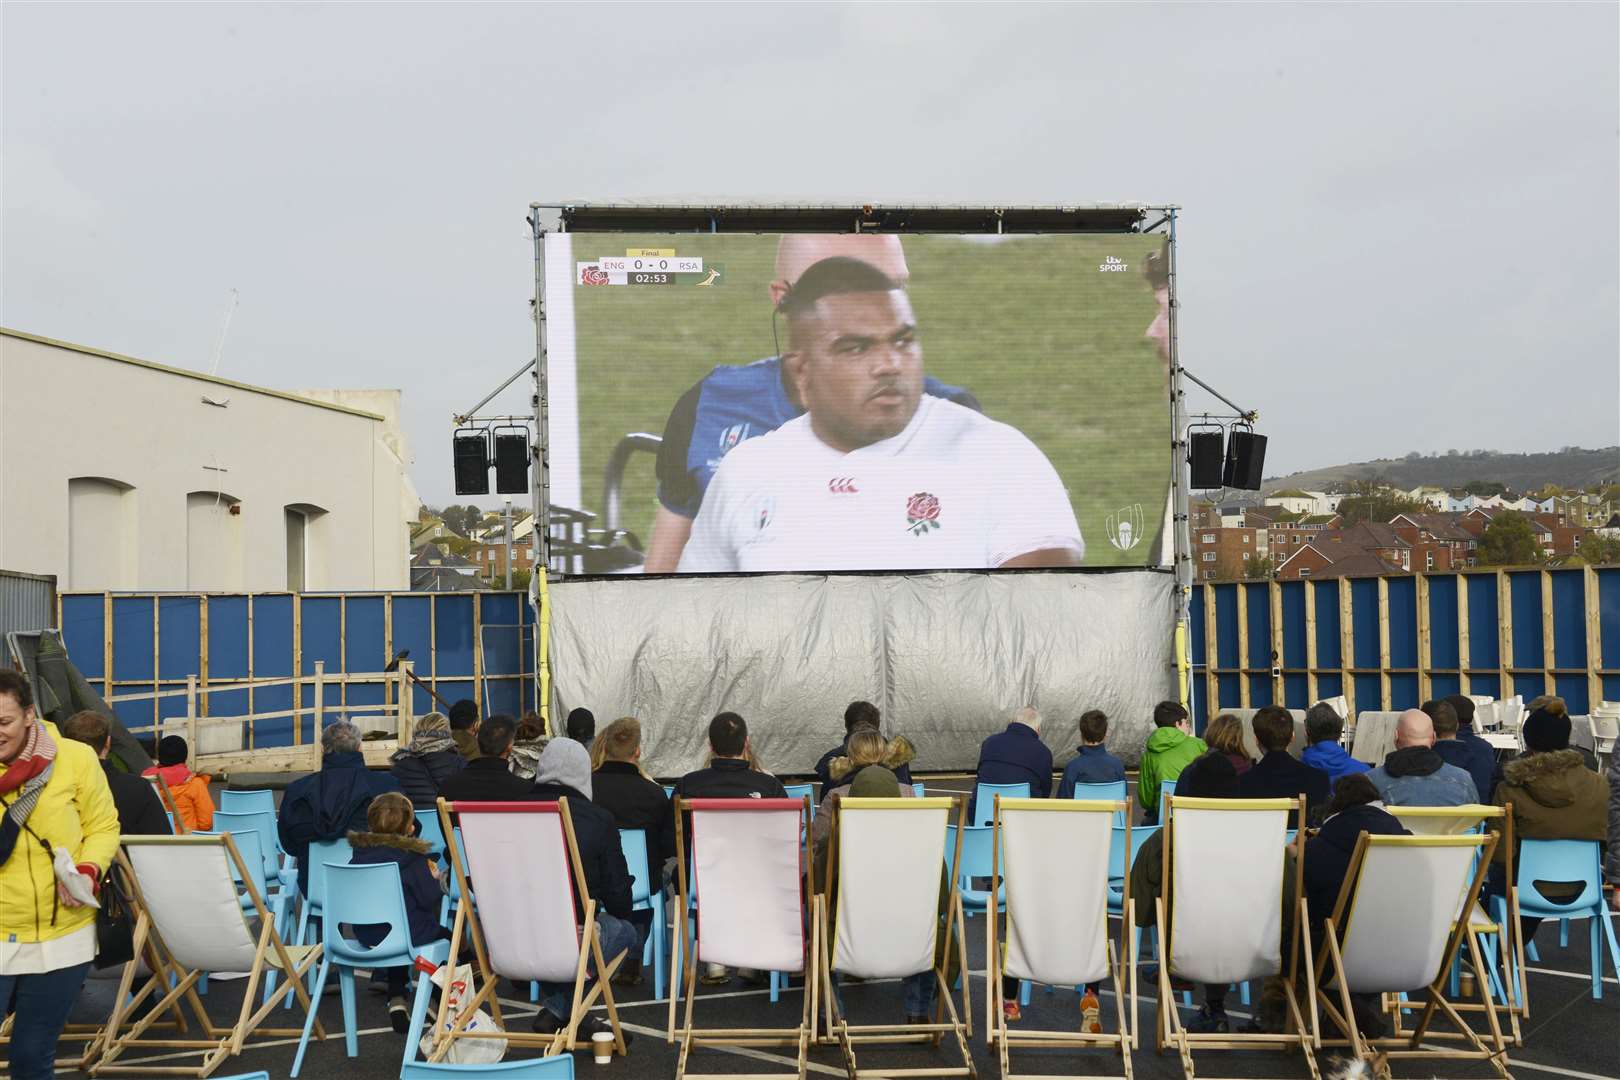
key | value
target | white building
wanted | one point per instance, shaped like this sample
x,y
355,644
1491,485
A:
x,y
1296,501
121,474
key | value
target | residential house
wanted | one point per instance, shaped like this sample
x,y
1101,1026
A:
x,y
1437,541
1220,552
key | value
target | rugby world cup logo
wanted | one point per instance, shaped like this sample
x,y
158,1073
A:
x,y
1124,527
730,437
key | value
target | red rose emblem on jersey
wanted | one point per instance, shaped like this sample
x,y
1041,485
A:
x,y
922,513
590,275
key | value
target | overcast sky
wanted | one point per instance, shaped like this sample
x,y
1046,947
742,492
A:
x,y
1401,224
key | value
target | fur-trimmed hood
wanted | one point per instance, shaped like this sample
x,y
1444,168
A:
x,y
901,752
1547,778
390,840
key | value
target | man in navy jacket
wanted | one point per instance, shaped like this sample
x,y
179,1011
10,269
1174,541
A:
x,y
1017,755
1462,748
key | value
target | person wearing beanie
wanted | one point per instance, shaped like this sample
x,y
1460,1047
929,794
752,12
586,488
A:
x,y
564,773
581,727
192,803
464,725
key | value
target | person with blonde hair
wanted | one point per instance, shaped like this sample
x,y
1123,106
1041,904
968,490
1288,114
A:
x,y
622,787
427,762
1225,734
866,747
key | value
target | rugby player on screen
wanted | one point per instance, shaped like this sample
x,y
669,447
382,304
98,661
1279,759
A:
x,y
876,475
736,402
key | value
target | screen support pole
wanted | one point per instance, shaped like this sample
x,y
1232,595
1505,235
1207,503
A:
x,y
1181,526
540,481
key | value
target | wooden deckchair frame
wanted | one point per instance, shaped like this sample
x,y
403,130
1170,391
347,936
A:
x,y
997,1031
467,923
1510,954
1379,1052
222,1042
166,797
958,1025
684,983
1297,1033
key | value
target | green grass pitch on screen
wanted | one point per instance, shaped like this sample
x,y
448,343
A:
x,y
1047,341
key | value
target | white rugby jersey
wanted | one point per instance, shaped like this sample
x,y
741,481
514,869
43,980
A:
x,y
954,490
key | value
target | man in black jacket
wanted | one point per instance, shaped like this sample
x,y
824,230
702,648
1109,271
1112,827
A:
x,y
488,777
564,772
1277,775
729,775
859,714
140,811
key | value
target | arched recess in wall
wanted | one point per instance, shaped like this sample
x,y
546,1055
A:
x,y
102,536
306,546
214,542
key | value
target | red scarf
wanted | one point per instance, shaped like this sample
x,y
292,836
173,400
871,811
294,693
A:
x,y
38,751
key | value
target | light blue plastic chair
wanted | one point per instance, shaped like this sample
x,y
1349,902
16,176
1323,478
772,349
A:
x,y
644,897
247,802
431,831
1166,788
260,1075
250,843
361,896
1113,791
452,900
321,853
799,791
918,789
1560,861
984,800
978,846
1119,867
669,791
546,1068
264,822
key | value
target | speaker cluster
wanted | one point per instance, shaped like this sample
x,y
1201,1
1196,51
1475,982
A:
x,y
475,450
1221,458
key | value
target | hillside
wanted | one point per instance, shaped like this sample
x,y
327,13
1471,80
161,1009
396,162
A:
x,y
1571,467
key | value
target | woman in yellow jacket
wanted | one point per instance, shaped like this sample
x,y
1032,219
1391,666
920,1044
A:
x,y
53,797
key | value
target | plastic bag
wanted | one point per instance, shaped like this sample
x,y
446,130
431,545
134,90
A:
x,y
76,884
456,986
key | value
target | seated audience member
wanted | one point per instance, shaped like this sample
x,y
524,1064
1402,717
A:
x,y
732,772
865,747
488,777
1557,706
564,772
1208,777
1611,864
140,812
918,990
1017,756
1225,734
1324,728
1277,775
431,758
527,745
388,838
859,714
1553,794
636,801
329,804
1465,727
581,727
1092,763
464,727
192,802
1171,748
1467,756
1414,775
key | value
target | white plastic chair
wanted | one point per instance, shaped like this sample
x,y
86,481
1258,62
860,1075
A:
x,y
1057,917
750,865
185,896
1220,917
1394,930
519,871
889,897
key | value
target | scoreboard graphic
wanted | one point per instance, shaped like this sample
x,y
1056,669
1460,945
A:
x,y
647,266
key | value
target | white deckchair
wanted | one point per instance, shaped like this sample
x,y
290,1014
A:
x,y
1395,929
1053,856
530,915
889,856
1220,914
1509,996
184,892
750,876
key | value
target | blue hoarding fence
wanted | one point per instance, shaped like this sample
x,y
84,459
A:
x,y
146,648
1389,643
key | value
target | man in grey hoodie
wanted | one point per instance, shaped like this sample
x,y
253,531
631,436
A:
x,y
1414,775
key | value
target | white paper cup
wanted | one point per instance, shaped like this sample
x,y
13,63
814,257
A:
x,y
602,1044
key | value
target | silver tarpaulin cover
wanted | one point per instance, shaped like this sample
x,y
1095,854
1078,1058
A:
x,y
946,656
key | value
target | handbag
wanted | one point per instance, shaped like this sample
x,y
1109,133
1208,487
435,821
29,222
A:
x,y
115,924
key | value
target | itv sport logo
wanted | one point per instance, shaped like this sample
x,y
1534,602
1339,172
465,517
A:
x,y
1111,265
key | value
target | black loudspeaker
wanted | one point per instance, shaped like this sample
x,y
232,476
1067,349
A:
x,y
1206,454
1245,460
512,463
471,458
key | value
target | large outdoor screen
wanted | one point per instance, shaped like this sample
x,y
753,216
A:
x,y
863,402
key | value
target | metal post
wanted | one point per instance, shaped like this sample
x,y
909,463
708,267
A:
x,y
508,521
540,475
1181,510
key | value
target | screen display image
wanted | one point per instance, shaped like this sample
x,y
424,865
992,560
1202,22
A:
x,y
864,402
